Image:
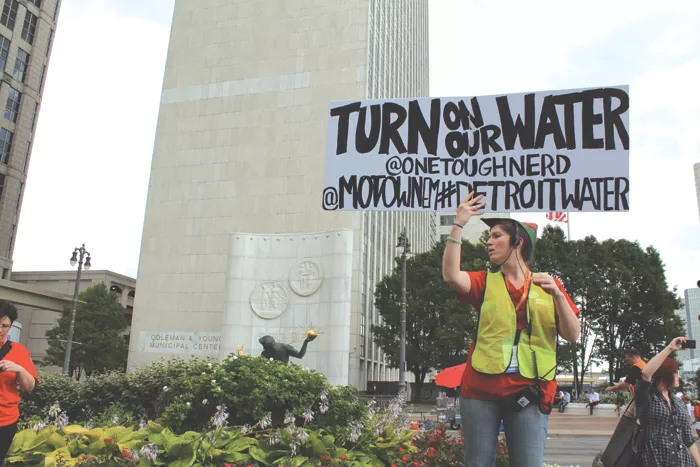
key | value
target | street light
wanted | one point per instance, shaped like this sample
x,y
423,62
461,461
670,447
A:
x,y
404,249
79,254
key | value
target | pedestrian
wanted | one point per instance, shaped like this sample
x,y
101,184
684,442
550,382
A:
x,y
593,400
634,359
667,437
565,401
511,364
16,370
696,417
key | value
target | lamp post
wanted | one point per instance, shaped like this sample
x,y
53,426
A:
x,y
79,254
404,248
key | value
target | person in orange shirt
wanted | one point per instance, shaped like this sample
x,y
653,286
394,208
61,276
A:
x,y
16,370
511,364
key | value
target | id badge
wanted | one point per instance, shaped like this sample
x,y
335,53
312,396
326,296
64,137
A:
x,y
513,367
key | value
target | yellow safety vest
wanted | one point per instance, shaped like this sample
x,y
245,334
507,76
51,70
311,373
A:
x,y
497,330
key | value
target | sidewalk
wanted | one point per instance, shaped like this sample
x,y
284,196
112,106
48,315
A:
x,y
559,424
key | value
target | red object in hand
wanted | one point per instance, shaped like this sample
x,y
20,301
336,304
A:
x,y
450,377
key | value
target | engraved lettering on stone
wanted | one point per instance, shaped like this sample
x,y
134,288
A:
x,y
305,277
268,300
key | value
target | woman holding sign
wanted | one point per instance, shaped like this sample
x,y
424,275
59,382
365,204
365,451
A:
x,y
511,363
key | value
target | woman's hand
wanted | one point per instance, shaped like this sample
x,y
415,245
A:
x,y
469,208
6,365
676,343
546,282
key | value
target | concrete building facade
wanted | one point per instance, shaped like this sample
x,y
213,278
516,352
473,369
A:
x,y
34,322
26,35
235,243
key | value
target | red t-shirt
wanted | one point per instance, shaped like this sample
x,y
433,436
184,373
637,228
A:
x,y
9,393
494,387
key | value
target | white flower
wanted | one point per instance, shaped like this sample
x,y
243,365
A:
x,y
271,359
213,381
187,404
165,388
235,357
204,401
150,452
289,417
209,364
203,373
308,415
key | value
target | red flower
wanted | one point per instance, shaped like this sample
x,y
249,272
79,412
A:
x,y
127,454
438,432
432,449
400,449
108,440
404,458
416,464
324,458
393,465
344,458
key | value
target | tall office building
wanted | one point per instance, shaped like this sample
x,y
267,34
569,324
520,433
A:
x,y
26,33
235,243
696,170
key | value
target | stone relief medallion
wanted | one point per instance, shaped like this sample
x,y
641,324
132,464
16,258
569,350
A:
x,y
305,277
268,299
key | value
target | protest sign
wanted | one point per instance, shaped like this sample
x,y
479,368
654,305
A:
x,y
544,151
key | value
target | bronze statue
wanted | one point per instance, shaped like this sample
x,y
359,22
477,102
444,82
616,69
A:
x,y
282,352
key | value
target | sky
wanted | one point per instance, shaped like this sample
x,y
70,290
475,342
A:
x,y
88,177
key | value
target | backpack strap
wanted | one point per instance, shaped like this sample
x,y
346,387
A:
x,y
5,349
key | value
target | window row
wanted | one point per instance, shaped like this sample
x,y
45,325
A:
x,y
8,18
6,137
21,61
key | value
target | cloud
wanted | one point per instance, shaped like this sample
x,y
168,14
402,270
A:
x,y
90,166
88,176
480,48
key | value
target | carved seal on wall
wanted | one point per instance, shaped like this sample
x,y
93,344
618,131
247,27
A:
x,y
269,299
305,277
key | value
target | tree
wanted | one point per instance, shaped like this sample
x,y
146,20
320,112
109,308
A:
x,y
99,343
438,326
622,293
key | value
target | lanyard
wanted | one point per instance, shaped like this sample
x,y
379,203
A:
x,y
526,289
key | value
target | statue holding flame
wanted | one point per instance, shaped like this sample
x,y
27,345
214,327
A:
x,y
282,352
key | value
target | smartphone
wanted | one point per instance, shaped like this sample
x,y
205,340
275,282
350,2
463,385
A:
x,y
689,344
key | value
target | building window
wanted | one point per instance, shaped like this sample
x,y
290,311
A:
x,y
362,334
36,111
5,145
12,106
29,27
447,220
12,241
19,198
4,51
21,65
26,156
2,184
9,13
37,3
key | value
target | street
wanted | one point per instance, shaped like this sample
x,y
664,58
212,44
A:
x,y
574,450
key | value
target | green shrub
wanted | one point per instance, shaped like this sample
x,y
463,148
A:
x,y
183,395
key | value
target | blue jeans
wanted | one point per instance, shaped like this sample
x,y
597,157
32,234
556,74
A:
x,y
526,433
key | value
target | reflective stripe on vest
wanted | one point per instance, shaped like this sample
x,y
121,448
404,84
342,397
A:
x,y
498,326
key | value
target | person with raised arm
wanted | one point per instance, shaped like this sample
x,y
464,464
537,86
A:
x,y
667,437
511,363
